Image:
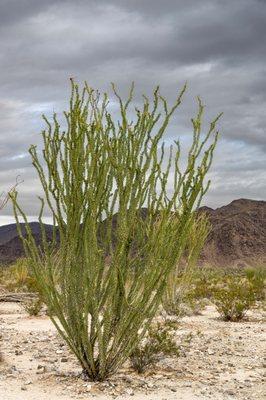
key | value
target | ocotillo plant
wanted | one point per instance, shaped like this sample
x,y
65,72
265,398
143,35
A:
x,y
104,283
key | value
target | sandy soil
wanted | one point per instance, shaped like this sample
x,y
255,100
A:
x,y
218,360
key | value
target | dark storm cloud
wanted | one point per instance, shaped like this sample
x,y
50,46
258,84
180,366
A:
x,y
218,46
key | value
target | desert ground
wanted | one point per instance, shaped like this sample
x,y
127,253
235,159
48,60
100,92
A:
x,y
218,360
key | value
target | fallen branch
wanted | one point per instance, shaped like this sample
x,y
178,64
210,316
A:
x,y
17,297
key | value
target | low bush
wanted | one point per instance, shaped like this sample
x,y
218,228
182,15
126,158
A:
x,y
234,298
204,281
256,277
33,306
17,278
159,341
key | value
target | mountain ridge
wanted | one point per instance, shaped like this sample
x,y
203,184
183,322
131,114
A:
x,y
237,236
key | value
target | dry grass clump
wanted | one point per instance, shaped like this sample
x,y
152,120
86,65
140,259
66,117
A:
x,y
33,306
17,278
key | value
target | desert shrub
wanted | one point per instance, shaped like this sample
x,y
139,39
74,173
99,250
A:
x,y
33,306
234,298
158,341
257,277
105,282
18,278
192,306
143,357
204,281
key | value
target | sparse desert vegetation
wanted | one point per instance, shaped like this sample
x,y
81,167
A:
x,y
197,354
214,358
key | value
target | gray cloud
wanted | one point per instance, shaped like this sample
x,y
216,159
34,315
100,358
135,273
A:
x,y
217,46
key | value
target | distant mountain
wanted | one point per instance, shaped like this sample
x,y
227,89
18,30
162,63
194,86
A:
x,y
11,247
237,237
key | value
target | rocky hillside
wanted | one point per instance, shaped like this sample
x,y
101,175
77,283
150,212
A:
x,y
238,235
11,247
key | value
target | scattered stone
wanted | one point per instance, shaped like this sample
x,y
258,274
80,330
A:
x,y
130,392
41,369
230,392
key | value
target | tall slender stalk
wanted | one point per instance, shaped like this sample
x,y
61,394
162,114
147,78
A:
x,y
180,278
104,283
4,197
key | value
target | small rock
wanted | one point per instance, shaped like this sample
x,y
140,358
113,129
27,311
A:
x,y
230,392
40,369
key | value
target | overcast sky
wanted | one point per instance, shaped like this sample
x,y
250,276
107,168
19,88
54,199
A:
x,y
217,46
